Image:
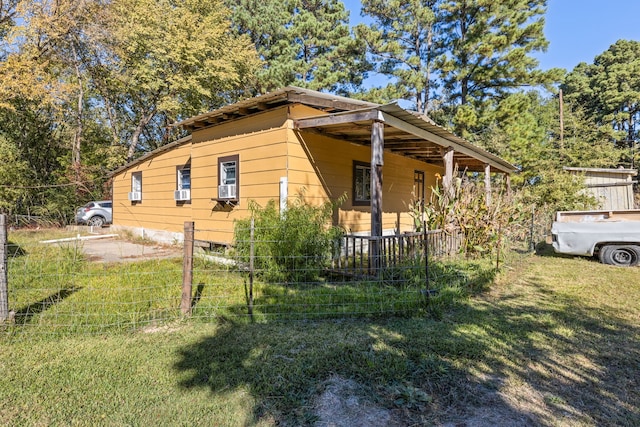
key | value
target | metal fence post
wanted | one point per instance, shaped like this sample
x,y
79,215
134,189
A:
x,y
425,240
187,268
251,266
4,288
532,245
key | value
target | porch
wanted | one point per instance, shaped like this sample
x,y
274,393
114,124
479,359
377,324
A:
x,y
391,129
365,256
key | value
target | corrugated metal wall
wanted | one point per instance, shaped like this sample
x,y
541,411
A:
x,y
612,187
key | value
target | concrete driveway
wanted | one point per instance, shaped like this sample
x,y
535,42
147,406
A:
x,y
113,249
110,248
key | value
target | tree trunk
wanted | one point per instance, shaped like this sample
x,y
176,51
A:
x,y
113,122
631,136
464,89
135,138
77,139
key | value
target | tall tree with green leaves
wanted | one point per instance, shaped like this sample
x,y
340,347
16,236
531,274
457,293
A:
x,y
84,79
28,69
13,176
609,91
305,43
57,30
524,129
52,42
404,43
454,58
490,46
165,59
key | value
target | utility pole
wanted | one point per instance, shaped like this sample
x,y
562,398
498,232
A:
x,y
561,119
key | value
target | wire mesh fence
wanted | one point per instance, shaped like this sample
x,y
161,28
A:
x,y
55,288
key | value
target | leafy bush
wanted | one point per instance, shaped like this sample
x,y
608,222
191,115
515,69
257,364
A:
x,y
294,245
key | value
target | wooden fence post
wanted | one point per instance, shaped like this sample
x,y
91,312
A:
x,y
187,268
4,288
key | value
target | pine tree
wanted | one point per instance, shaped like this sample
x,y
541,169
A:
x,y
489,44
305,43
524,129
402,40
609,91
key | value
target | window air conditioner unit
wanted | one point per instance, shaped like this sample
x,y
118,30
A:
x,y
135,196
227,191
182,195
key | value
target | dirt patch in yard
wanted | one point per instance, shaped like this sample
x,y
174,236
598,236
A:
x,y
344,403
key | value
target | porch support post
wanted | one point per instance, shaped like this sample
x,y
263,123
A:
x,y
487,183
447,180
507,183
377,147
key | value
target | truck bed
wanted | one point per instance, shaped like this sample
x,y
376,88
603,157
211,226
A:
x,y
598,216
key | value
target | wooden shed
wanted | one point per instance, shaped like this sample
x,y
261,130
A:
x,y
285,144
613,188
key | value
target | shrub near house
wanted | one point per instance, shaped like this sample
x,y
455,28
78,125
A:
x,y
292,246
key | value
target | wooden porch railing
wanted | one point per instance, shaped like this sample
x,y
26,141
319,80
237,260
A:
x,y
352,256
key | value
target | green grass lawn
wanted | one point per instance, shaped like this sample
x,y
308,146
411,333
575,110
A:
x,y
54,289
553,341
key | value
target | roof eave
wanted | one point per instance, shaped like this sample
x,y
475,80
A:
x,y
150,154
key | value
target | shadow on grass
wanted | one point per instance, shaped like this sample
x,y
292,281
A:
x,y
198,295
15,250
26,314
546,250
570,363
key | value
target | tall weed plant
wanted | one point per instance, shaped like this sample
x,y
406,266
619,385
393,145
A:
x,y
290,246
465,208
484,224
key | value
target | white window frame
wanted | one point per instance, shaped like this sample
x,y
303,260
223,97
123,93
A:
x,y
229,165
224,172
136,182
135,195
180,181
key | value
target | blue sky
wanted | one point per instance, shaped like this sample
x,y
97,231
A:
x,y
580,30
577,30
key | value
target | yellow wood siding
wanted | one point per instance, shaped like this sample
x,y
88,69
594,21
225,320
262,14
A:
x,y
324,168
317,167
298,111
158,209
272,119
262,161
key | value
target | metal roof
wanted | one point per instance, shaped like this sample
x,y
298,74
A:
x,y
620,170
287,95
150,154
406,133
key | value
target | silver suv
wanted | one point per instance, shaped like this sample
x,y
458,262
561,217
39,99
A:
x,y
96,213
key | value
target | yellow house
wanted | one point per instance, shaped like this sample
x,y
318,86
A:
x,y
292,143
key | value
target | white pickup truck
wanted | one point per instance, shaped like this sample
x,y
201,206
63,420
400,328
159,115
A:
x,y
613,236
